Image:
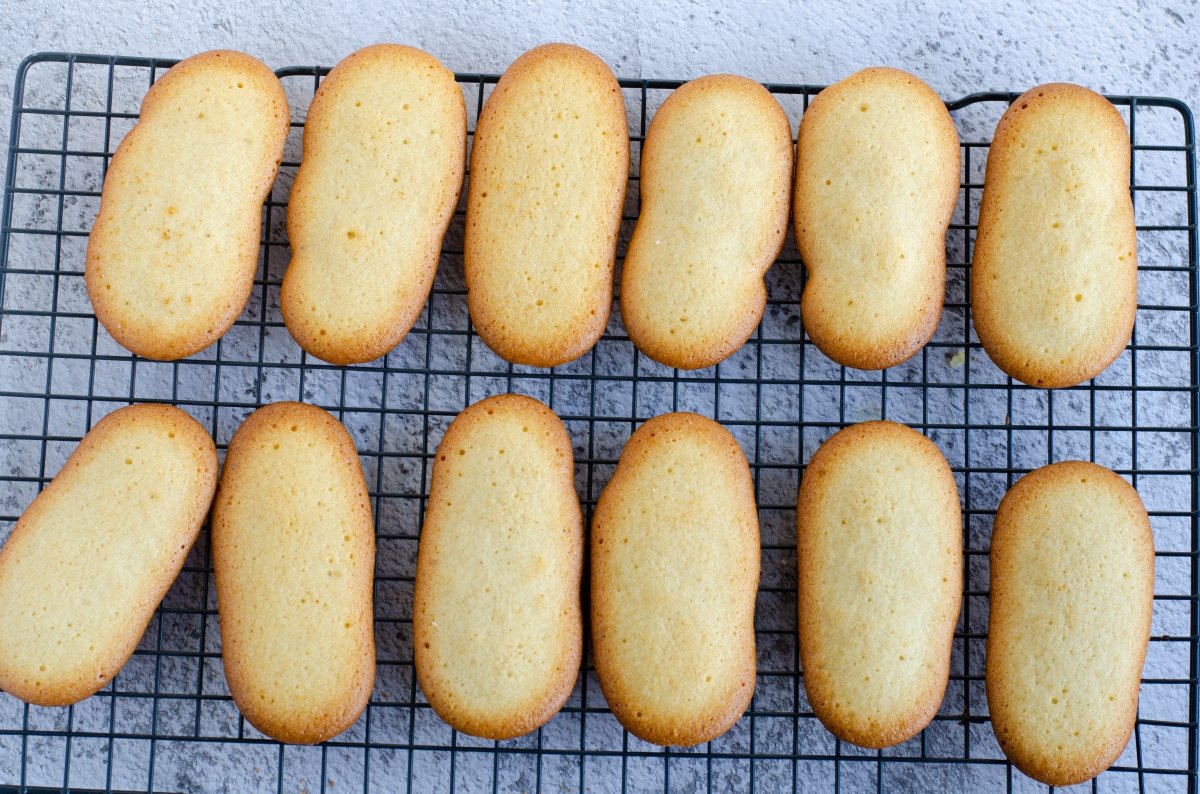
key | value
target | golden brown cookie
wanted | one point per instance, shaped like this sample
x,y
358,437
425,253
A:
x,y
675,561
1054,276
1072,589
172,254
877,170
90,560
549,165
384,151
879,549
716,168
294,555
497,623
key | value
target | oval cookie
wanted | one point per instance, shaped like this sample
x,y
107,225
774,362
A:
x,y
172,254
548,170
1054,276
497,624
294,556
384,151
92,557
675,561
1072,589
879,552
877,168
716,168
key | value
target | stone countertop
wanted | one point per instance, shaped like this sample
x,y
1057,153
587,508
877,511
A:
x,y
1128,47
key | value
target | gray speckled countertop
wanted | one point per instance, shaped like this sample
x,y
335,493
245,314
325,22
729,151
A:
x,y
1149,48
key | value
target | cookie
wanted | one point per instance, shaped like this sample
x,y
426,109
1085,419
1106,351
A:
x,y
675,560
172,254
548,169
1054,276
715,177
384,151
877,169
294,556
879,581
94,554
497,623
1072,589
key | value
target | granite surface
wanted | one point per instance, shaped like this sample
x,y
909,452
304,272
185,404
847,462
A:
x,y
778,395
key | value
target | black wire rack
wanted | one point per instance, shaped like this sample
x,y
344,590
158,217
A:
x,y
167,723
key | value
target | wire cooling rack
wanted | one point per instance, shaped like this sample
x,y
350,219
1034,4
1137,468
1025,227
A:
x,y
167,723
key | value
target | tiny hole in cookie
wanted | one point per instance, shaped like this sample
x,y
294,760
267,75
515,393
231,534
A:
x,y
358,104
462,452
350,235
1054,701
1024,105
1078,298
241,85
829,181
128,461
862,108
295,428
427,646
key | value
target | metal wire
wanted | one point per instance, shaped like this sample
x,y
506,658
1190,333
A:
x,y
60,372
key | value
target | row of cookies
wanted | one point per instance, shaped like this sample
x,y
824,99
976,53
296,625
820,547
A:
x,y
172,254
497,620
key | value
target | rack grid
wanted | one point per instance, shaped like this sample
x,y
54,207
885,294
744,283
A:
x,y
167,718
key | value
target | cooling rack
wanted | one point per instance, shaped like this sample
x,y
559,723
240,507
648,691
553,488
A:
x,y
167,723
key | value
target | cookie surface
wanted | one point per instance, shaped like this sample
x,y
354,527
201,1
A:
x,y
675,563
1054,275
294,555
93,555
879,552
384,153
877,169
549,165
1072,590
172,254
715,177
497,622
